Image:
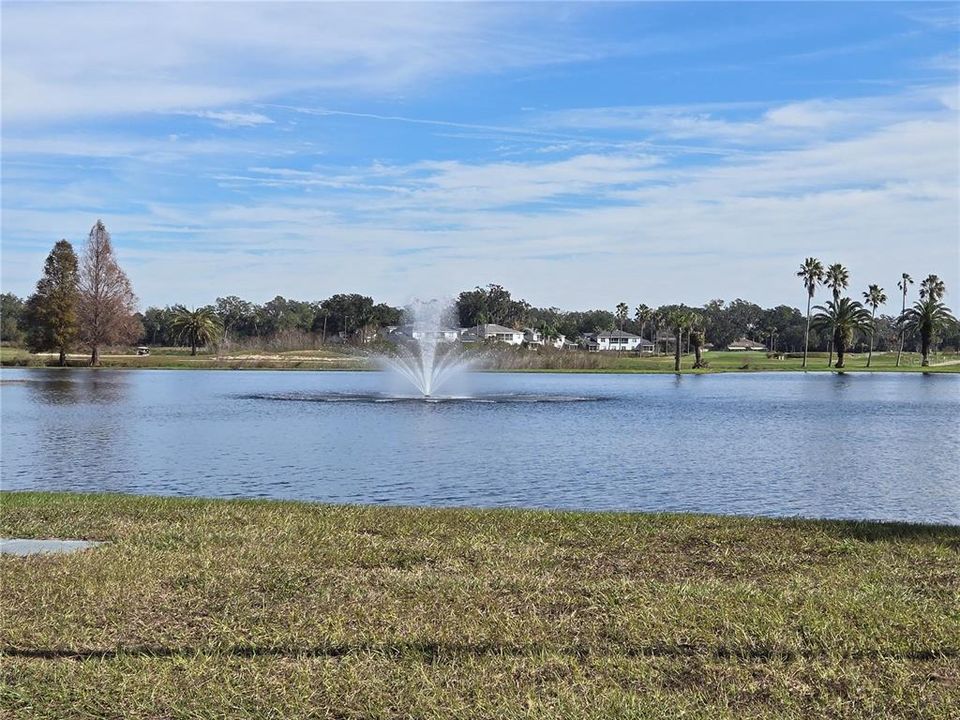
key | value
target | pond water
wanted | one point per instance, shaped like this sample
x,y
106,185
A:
x,y
880,446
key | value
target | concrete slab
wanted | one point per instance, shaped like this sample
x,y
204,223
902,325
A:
x,y
22,546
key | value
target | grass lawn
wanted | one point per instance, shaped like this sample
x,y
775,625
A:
x,y
734,361
180,359
345,359
211,609
725,361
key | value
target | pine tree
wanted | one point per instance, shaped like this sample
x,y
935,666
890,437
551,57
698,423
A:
x,y
51,312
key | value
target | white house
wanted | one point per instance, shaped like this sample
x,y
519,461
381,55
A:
x,y
493,333
743,344
617,340
532,336
419,333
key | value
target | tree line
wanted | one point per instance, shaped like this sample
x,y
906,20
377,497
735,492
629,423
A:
x,y
837,326
86,301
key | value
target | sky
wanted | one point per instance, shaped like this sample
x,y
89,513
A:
x,y
579,154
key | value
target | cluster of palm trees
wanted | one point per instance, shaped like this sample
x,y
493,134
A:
x,y
842,317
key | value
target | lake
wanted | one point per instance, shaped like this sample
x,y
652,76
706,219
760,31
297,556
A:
x,y
881,446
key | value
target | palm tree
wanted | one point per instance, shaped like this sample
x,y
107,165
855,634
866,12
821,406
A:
x,y
933,287
927,317
656,323
874,297
905,282
811,271
641,316
771,331
695,334
837,278
843,319
622,310
679,320
199,326
548,332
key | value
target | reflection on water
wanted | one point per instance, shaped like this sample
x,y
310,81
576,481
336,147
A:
x,y
854,445
79,433
63,387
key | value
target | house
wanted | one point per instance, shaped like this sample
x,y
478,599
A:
x,y
419,333
743,344
493,333
532,336
617,340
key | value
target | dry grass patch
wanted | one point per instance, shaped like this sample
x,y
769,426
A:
x,y
208,608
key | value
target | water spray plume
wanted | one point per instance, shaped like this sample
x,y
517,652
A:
x,y
428,353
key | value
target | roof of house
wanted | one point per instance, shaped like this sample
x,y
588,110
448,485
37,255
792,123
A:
x,y
745,343
615,334
494,329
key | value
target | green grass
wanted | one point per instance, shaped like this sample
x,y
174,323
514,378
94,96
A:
x,y
180,358
725,361
210,609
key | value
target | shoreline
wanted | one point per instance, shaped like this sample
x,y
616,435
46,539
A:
x,y
929,370
661,365
878,525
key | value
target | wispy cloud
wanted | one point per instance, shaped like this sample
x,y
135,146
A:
x,y
232,118
156,57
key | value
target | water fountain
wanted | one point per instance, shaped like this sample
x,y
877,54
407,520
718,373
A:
x,y
428,354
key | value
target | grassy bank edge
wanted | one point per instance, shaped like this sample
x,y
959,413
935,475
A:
x,y
866,528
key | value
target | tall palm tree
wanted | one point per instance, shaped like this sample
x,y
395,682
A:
x,y
657,318
933,287
927,317
679,320
843,319
696,335
837,278
642,316
905,282
811,272
622,311
874,297
199,326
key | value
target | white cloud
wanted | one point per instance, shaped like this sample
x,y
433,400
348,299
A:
x,y
75,59
233,119
761,125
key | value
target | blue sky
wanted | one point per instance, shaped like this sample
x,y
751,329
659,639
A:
x,y
579,154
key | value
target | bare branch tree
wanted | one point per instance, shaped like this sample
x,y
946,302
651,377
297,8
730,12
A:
x,y
107,302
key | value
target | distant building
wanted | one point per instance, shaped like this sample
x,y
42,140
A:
x,y
743,344
493,333
419,333
617,340
532,336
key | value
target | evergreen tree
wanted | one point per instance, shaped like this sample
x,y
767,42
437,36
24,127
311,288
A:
x,y
51,312
11,317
